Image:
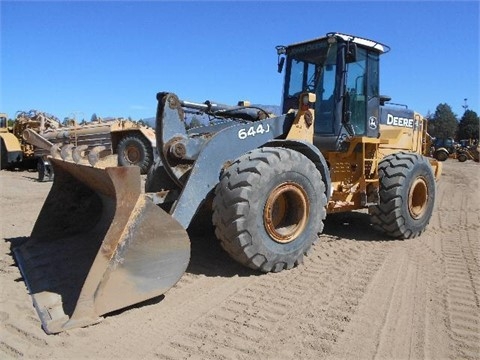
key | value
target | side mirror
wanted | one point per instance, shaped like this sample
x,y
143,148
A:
x,y
384,99
351,53
281,50
281,61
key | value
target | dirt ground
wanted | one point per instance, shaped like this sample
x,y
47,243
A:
x,y
358,295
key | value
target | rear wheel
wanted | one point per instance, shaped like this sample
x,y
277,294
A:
x,y
268,208
41,170
3,155
45,170
407,195
135,150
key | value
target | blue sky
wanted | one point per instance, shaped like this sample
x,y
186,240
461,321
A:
x,y
110,57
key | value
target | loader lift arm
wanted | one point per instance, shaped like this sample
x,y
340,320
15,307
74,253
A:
x,y
195,161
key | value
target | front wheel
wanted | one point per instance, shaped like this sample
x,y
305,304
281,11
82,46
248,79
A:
x,y
407,195
441,155
462,157
135,150
269,208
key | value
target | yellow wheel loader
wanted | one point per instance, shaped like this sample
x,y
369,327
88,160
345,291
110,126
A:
x,y
10,148
16,151
100,243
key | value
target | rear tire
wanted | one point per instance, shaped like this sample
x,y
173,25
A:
x,y
407,196
45,170
268,208
3,155
41,170
135,150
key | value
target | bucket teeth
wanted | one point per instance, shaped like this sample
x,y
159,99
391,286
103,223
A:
x,y
55,151
98,156
95,154
78,155
66,152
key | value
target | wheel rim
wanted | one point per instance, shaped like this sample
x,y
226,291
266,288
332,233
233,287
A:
x,y
286,212
418,198
132,155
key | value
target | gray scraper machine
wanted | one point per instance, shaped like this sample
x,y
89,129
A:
x,y
100,243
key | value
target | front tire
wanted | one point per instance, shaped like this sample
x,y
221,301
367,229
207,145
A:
x,y
441,155
269,208
462,157
407,196
135,150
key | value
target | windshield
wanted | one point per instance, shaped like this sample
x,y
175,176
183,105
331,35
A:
x,y
306,63
3,122
307,68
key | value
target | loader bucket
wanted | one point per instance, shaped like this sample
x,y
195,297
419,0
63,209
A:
x,y
97,246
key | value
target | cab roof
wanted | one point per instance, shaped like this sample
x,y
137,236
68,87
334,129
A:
x,y
372,44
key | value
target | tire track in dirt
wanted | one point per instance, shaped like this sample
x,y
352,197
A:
x,y
461,266
387,326
422,272
457,232
19,334
257,320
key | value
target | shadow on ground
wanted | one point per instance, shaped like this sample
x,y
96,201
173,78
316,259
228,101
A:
x,y
352,225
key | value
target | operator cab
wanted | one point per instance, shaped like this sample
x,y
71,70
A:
x,y
343,72
3,121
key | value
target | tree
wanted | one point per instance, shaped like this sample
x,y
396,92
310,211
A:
x,y
195,122
431,124
469,126
443,123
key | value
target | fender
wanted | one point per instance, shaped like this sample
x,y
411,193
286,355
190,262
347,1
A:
x,y
11,142
11,145
213,158
311,152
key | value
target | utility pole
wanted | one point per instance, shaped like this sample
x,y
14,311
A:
x,y
465,106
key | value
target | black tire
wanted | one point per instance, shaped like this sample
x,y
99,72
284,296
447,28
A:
x,y
4,155
407,196
45,171
441,155
269,208
462,157
41,170
133,149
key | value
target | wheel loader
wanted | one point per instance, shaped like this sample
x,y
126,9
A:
x,y
10,148
101,243
445,148
16,152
